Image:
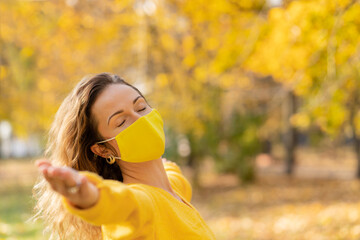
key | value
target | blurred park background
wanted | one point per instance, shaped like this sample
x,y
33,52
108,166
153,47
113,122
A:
x,y
260,100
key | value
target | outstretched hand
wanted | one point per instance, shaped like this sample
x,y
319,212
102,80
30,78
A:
x,y
61,179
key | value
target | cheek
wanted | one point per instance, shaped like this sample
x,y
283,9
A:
x,y
116,147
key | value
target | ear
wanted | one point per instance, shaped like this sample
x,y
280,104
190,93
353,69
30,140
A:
x,y
101,151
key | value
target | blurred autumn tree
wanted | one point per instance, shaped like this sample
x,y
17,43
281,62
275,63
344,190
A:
x,y
217,70
196,60
186,61
47,46
316,49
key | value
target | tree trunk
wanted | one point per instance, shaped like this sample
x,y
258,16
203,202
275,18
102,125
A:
x,y
357,150
266,146
196,171
355,138
290,134
193,162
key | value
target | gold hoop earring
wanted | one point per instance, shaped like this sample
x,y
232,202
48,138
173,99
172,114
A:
x,y
110,159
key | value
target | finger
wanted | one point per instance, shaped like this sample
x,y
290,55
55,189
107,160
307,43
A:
x,y
42,161
60,179
51,174
83,188
56,184
67,177
51,181
61,174
43,165
50,178
45,171
46,175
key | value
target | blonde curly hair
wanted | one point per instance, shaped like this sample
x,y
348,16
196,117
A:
x,y
72,133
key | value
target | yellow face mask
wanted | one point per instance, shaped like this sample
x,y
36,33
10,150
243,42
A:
x,y
142,141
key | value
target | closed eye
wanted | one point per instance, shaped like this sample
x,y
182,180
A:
x,y
121,124
124,120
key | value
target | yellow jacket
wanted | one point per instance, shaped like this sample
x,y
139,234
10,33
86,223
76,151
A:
x,y
142,212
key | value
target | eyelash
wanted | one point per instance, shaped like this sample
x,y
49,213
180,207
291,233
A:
x,y
124,120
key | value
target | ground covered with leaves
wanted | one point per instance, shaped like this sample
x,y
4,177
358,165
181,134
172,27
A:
x,y
274,207
278,207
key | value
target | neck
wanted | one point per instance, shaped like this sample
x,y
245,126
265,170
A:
x,y
150,173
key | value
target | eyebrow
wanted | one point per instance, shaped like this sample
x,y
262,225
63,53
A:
x,y
120,111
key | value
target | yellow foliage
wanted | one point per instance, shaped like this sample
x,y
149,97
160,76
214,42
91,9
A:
x,y
228,80
189,60
162,80
277,14
66,21
300,120
3,72
211,43
200,74
188,44
183,47
167,42
357,123
88,21
349,84
44,84
303,88
8,33
335,117
26,52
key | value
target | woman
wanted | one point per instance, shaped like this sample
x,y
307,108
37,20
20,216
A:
x,y
105,178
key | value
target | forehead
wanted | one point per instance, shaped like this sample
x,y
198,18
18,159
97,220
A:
x,y
113,98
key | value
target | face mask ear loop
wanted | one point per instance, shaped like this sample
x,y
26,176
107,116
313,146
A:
x,y
107,140
111,158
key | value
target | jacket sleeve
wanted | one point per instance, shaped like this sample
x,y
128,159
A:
x,y
118,203
178,180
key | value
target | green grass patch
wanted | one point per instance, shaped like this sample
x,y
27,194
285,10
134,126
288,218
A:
x,y
16,207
